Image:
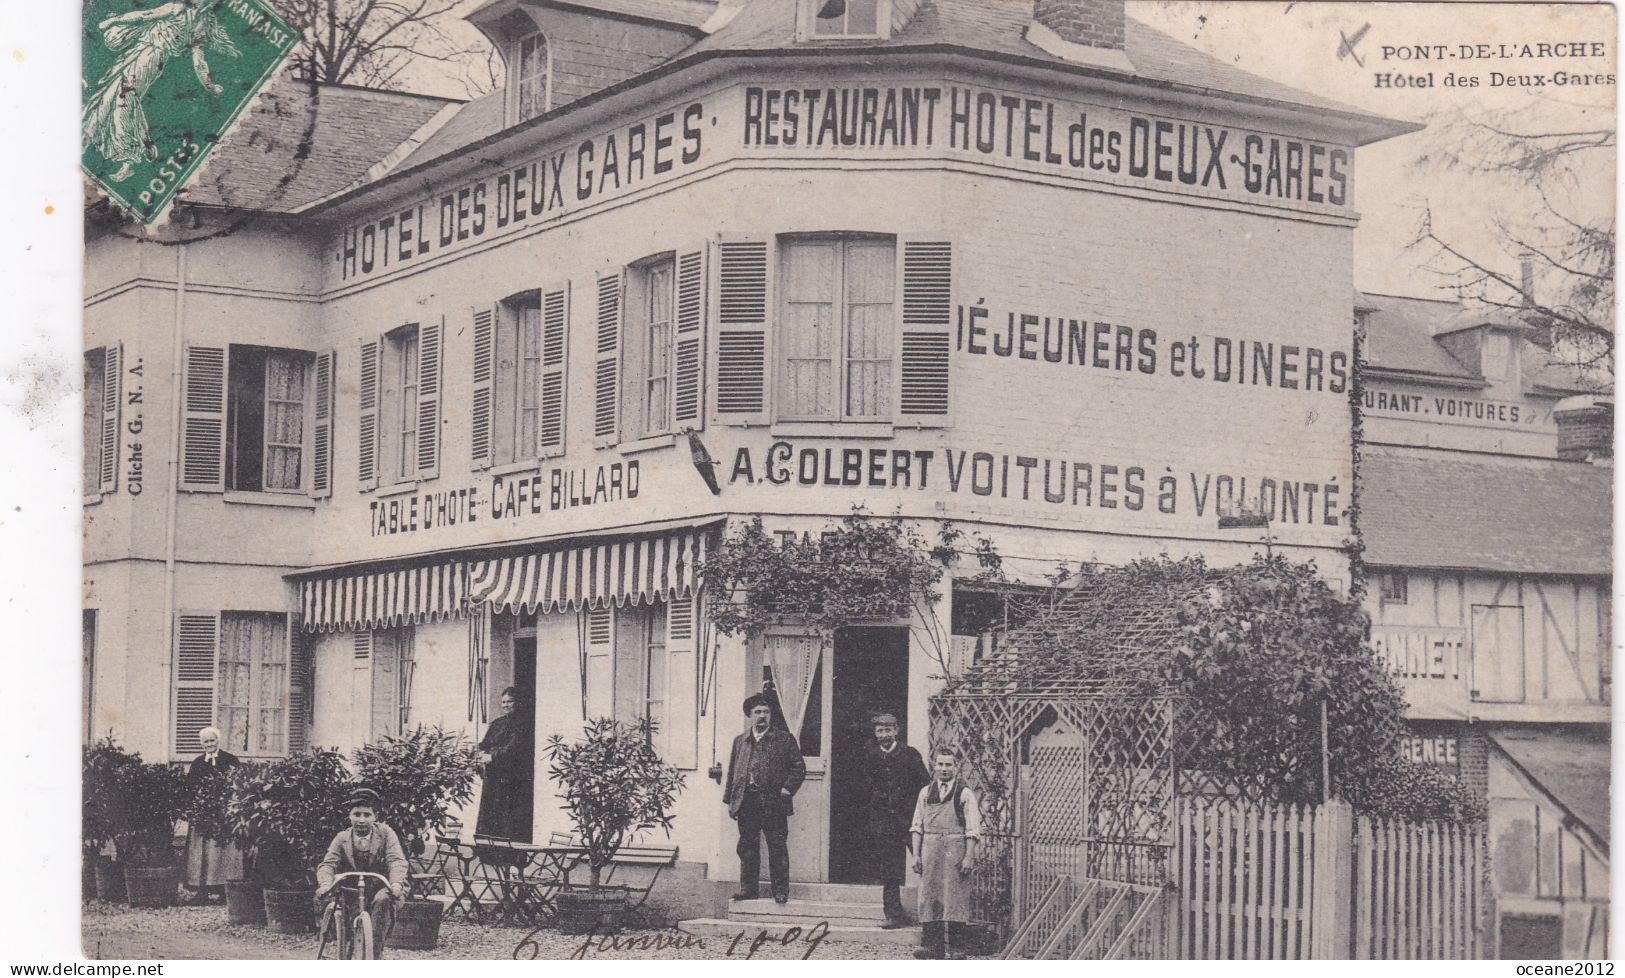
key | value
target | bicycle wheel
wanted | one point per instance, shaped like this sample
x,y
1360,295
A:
x,y
362,941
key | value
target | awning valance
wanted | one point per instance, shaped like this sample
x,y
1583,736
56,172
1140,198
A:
x,y
593,575
384,599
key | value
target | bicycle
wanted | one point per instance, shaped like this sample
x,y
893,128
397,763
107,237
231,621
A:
x,y
350,931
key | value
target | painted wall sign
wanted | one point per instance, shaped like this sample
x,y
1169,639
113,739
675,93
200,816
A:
x,y
1060,482
542,189
1421,652
1069,342
1434,750
1043,134
506,497
926,120
1483,412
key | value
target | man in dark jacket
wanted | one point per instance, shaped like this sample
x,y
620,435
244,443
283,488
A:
x,y
764,771
896,775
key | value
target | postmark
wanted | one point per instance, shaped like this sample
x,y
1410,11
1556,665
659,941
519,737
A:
x,y
163,85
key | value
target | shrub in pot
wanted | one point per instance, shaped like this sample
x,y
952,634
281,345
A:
x,y
614,786
418,775
100,802
152,798
209,815
288,811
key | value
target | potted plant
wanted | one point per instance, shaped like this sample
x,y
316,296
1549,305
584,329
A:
x,y
100,766
418,776
614,786
288,811
151,798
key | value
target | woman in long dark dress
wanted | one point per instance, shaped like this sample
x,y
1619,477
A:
x,y
210,863
509,755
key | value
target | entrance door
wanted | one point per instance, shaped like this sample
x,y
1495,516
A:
x,y
870,677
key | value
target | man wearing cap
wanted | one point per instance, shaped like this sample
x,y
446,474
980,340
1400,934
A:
x,y
896,774
367,846
764,772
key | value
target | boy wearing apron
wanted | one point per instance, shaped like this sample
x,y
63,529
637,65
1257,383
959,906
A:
x,y
947,825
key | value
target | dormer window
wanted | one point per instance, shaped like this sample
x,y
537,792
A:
x,y
833,19
530,81
1495,356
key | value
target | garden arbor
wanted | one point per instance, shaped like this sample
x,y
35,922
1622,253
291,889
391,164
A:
x,y
1071,733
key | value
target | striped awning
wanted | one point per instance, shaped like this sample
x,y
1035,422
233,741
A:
x,y
384,599
593,575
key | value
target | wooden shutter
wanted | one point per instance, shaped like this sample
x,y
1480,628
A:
x,y
606,380
367,417
197,646
386,703
301,685
744,297
688,370
430,359
555,366
925,343
321,477
682,684
112,395
483,409
600,675
203,420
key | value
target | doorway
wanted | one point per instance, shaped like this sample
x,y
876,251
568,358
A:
x,y
870,676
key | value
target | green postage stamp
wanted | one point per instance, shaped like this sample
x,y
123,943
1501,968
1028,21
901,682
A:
x,y
163,84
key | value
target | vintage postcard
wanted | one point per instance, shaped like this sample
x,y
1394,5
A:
x,y
835,479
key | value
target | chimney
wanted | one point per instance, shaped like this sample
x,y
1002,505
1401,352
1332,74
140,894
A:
x,y
1526,280
1090,23
1585,428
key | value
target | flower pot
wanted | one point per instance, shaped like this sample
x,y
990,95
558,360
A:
x,y
109,880
291,911
417,925
598,911
245,903
152,886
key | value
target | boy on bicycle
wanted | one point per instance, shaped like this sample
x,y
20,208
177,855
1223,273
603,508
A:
x,y
367,846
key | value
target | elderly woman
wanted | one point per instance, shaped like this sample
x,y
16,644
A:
x,y
508,752
210,863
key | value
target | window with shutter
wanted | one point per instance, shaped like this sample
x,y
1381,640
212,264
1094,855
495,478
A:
x,y
103,398
836,338
743,297
681,727
197,636
321,452
599,633
253,683
367,416
385,682
646,346
555,353
430,355
482,411
925,343
607,360
688,397
301,686
112,394
203,420
267,403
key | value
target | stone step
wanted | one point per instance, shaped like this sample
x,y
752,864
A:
x,y
814,909
844,892
902,937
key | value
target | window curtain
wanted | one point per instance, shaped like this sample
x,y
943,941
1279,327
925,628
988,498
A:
x,y
284,421
794,660
253,702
